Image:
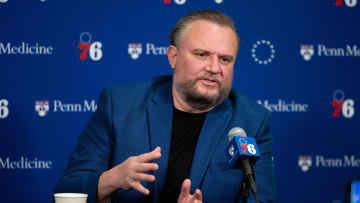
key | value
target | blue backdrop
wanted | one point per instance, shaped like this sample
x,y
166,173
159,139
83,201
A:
x,y
299,58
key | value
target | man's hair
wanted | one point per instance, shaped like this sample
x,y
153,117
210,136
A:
x,y
209,15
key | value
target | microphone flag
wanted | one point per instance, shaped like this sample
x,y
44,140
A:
x,y
241,148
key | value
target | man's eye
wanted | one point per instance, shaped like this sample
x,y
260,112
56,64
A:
x,y
225,60
201,55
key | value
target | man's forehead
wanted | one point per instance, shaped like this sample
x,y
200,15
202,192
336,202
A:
x,y
211,37
199,24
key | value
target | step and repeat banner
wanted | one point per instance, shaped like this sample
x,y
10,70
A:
x,y
299,58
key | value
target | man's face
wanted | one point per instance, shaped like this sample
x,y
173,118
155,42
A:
x,y
203,64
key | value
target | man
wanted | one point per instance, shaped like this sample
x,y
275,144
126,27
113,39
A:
x,y
164,140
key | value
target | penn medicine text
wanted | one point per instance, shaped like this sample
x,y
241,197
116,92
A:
x,y
349,50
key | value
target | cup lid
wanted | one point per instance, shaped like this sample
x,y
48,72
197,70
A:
x,y
70,195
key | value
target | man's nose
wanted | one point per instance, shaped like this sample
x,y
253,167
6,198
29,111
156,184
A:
x,y
214,65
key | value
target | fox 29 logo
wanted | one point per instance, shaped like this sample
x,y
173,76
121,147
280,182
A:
x,y
345,106
93,48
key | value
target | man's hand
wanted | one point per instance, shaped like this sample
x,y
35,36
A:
x,y
186,197
128,175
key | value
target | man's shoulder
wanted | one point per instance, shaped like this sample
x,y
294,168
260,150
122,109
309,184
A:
x,y
138,88
248,114
246,104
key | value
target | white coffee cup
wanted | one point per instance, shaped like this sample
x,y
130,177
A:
x,y
70,198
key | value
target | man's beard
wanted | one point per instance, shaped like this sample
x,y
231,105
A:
x,y
196,100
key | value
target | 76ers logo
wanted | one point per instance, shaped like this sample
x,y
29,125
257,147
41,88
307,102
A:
x,y
179,2
94,48
247,147
346,106
348,3
4,109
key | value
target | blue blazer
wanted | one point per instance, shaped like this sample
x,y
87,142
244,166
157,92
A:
x,y
134,119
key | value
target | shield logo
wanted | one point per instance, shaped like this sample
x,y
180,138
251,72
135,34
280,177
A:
x,y
135,50
307,51
42,107
305,162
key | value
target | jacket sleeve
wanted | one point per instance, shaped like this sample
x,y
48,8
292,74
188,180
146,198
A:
x,y
92,154
264,167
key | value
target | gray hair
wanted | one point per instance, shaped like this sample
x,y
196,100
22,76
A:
x,y
209,15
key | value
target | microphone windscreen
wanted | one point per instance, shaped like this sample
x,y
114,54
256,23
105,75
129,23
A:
x,y
236,132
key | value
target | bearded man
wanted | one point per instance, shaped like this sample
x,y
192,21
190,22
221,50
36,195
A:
x,y
163,140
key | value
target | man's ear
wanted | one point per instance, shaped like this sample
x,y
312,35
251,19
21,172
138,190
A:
x,y
172,53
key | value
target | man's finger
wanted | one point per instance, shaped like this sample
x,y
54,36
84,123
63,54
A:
x,y
147,157
137,186
144,177
141,167
185,189
157,149
198,195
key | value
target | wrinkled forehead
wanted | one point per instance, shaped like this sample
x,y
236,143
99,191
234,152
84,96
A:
x,y
203,34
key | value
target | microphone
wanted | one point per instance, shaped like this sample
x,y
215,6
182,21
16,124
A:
x,y
240,151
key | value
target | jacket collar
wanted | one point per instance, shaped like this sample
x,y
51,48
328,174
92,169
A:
x,y
160,114
213,130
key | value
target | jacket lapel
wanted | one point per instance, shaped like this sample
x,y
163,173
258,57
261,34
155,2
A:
x,y
160,114
216,122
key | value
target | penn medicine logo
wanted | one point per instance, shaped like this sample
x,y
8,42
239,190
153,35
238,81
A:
x,y
307,51
347,161
24,163
25,48
43,107
284,106
135,50
305,162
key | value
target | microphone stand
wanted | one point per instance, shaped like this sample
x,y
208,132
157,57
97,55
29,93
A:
x,y
244,190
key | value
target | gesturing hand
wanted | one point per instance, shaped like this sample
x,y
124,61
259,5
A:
x,y
186,197
128,174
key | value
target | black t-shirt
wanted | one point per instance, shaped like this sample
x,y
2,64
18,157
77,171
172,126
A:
x,y
186,128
